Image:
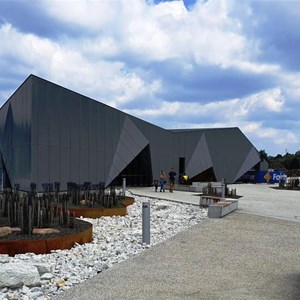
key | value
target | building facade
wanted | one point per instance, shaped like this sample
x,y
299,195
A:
x,y
52,134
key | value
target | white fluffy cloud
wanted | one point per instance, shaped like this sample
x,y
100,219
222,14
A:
x,y
211,66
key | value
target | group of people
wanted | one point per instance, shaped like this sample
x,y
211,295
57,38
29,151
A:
x,y
163,180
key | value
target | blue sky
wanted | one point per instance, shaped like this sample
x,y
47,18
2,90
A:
x,y
177,64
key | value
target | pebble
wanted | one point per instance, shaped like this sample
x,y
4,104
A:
x,y
115,239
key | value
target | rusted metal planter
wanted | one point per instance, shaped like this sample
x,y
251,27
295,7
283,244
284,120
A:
x,y
95,213
45,245
65,241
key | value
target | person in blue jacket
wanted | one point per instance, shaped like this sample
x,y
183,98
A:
x,y
172,177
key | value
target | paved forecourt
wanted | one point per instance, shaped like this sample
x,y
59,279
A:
x,y
240,256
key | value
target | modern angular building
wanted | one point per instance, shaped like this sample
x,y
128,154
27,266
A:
x,y
51,134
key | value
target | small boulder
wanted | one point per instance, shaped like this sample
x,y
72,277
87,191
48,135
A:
x,y
5,231
45,230
15,275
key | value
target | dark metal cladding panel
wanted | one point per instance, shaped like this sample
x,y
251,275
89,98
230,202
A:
x,y
55,162
110,131
84,141
43,115
22,165
15,138
21,111
182,146
34,119
43,165
75,164
3,114
84,123
65,122
200,160
54,123
228,149
65,167
250,161
74,108
93,142
84,166
163,146
54,134
34,165
100,166
101,141
130,144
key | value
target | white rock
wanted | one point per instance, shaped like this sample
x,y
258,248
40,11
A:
x,y
47,276
4,258
12,295
36,295
25,289
44,268
115,239
18,274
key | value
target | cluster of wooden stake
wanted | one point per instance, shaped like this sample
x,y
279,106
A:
x,y
29,210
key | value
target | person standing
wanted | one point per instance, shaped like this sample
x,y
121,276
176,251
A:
x,y
155,183
172,176
162,180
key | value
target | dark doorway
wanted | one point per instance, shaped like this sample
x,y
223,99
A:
x,y
138,172
206,176
181,165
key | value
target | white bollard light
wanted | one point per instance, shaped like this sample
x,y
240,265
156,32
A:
x,y
124,186
146,222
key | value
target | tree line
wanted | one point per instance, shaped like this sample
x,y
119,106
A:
x,y
289,162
